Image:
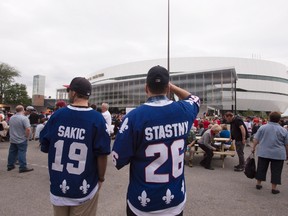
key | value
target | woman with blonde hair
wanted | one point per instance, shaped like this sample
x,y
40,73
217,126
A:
x,y
205,143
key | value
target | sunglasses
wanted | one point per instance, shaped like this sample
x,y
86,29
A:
x,y
68,89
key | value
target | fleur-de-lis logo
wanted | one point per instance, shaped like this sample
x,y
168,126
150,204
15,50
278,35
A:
x,y
64,187
124,126
84,188
143,199
107,129
182,188
115,156
168,198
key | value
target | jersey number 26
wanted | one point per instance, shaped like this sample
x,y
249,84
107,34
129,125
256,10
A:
x,y
162,150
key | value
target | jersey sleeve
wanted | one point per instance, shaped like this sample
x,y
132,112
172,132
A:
x,y
194,100
102,138
191,106
123,146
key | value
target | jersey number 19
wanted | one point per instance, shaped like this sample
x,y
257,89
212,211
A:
x,y
77,152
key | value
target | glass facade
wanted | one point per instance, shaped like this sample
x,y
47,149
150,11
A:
x,y
261,77
215,88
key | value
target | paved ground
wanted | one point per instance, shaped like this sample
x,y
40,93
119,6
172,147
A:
x,y
218,192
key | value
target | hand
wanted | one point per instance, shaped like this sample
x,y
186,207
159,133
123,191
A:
x,y
100,184
253,150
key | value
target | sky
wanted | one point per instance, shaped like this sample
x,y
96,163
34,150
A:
x,y
62,39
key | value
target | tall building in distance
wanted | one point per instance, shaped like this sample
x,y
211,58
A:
x,y
38,90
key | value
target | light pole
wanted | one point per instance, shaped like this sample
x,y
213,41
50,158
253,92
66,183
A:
x,y
168,41
171,95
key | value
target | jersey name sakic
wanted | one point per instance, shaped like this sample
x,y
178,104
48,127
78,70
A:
x,y
73,138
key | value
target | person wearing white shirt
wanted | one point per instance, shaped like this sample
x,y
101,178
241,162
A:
x,y
107,116
40,127
248,125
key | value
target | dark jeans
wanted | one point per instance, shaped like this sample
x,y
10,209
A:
x,y
276,169
17,150
130,213
240,152
206,162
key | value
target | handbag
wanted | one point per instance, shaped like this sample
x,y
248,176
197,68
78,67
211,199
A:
x,y
250,167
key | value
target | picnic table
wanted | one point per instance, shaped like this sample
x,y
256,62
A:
x,y
222,151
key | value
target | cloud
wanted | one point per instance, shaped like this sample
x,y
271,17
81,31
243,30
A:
x,y
68,38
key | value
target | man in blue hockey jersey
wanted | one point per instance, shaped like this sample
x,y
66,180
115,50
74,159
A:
x,y
152,139
77,142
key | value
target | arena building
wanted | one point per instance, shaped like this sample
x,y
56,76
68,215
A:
x,y
221,83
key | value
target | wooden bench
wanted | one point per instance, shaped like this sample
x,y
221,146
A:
x,y
224,152
197,149
223,155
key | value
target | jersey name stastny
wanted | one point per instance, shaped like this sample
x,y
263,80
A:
x,y
152,139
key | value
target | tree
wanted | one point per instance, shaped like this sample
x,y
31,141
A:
x,y
7,74
17,94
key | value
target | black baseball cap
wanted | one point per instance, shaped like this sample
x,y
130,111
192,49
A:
x,y
157,75
80,85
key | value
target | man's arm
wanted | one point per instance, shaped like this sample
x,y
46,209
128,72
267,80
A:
x,y
207,141
181,93
102,164
255,143
27,132
243,132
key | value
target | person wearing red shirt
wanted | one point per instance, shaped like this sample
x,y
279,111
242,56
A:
x,y
206,123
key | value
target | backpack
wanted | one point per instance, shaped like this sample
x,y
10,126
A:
x,y
250,167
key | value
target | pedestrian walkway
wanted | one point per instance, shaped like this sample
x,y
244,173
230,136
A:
x,y
209,192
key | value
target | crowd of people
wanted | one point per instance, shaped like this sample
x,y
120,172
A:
x,y
243,130
269,139
152,138
38,119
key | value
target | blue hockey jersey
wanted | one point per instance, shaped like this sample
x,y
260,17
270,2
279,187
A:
x,y
73,137
152,139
